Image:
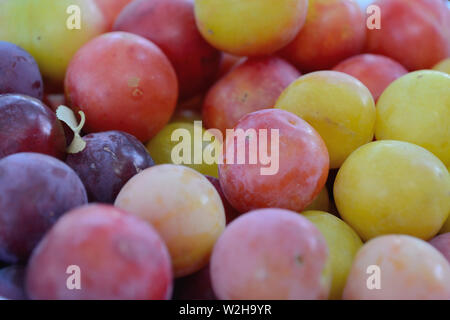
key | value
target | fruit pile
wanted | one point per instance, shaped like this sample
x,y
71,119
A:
x,y
218,149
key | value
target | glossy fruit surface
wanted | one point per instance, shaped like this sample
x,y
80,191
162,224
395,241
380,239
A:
x,y
407,268
107,162
124,82
416,109
281,256
170,24
295,173
35,191
393,187
338,106
27,125
334,30
376,72
253,85
343,244
250,28
19,72
414,33
184,208
116,256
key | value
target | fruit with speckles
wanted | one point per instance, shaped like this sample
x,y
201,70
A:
x,y
290,178
124,82
183,206
107,162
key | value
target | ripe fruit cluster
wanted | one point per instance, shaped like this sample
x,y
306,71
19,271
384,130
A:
x,y
330,144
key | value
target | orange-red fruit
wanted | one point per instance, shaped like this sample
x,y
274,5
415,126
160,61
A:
x,y
376,72
292,178
111,9
415,33
122,82
253,85
170,24
334,30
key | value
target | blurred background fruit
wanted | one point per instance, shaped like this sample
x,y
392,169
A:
x,y
170,24
111,9
393,187
343,244
253,85
376,72
124,82
41,28
334,30
250,28
442,243
19,72
166,141
338,106
415,33
443,66
12,282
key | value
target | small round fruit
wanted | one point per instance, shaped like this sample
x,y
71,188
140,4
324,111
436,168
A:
x,y
19,72
393,187
184,208
254,85
27,125
343,244
294,172
416,109
398,267
170,24
446,227
116,256
443,66
35,190
248,27
376,72
338,106
334,30
107,162
163,147
270,254
414,33
124,82
111,10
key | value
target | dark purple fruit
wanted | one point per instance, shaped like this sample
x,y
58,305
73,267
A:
x,y
19,72
108,161
27,125
12,283
35,190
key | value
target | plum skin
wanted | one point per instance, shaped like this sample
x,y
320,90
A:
x,y
108,161
35,191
